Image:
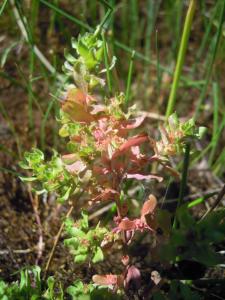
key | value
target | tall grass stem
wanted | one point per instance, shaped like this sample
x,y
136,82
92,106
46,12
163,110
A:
x,y
180,58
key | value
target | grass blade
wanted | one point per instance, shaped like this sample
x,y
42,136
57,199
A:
x,y
3,7
210,65
181,56
130,71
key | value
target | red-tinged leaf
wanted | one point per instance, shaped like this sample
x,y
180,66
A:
x,y
132,124
172,171
133,276
149,206
76,167
144,177
105,279
127,224
107,194
133,141
75,106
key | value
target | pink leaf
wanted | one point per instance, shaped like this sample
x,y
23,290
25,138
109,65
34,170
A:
x,y
76,167
127,224
105,279
144,177
133,141
133,276
149,206
135,122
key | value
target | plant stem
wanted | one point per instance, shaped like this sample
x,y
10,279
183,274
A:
x,y
181,56
56,242
183,183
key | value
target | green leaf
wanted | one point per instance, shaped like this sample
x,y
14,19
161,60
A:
x,y
84,221
201,132
65,197
28,179
70,58
6,52
81,258
114,59
98,255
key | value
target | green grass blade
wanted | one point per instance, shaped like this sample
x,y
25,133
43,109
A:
x,y
210,65
181,56
3,7
201,199
129,77
215,120
133,23
205,38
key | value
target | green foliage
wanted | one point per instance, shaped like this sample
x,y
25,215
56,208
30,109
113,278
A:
x,y
80,291
50,293
84,242
29,287
187,129
50,176
178,290
195,240
89,49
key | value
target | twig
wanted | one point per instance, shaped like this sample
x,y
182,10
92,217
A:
x,y
56,242
40,245
154,116
100,211
17,251
216,203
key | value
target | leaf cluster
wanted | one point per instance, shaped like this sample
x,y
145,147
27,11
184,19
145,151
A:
x,y
85,242
49,176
